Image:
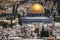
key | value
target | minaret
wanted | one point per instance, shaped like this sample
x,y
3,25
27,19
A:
x,y
55,11
17,21
25,12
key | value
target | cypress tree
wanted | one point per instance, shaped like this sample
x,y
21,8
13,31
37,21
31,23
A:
x,y
42,32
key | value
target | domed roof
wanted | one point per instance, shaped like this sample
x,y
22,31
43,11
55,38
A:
x,y
37,8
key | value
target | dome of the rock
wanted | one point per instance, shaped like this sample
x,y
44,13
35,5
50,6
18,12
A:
x,y
37,8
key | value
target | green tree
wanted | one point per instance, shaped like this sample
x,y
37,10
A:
x,y
57,18
4,24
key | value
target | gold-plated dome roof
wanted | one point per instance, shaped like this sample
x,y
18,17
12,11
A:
x,y
37,8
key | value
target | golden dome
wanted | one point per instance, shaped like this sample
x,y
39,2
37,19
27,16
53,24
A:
x,y
37,8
